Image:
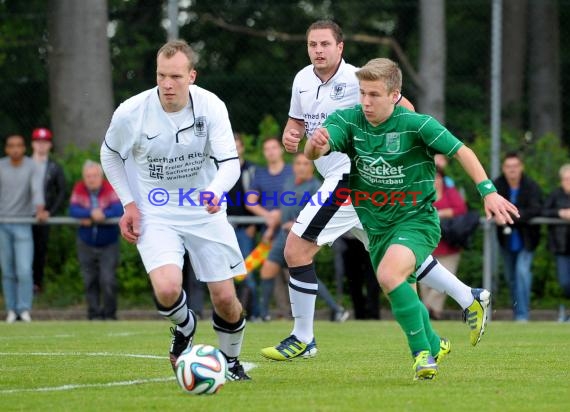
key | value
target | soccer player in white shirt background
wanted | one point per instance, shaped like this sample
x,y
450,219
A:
x,y
170,155
327,84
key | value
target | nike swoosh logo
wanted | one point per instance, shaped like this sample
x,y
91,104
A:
x,y
415,332
234,266
302,91
296,221
152,137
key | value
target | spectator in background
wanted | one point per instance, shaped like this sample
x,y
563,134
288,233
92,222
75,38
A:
x,y
297,191
268,186
363,285
245,233
519,241
441,163
53,180
21,195
557,205
93,200
449,204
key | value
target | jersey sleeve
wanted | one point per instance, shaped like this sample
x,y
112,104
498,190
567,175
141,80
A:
x,y
220,134
295,107
438,138
120,136
338,130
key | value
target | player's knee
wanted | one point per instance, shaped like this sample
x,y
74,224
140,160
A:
x,y
298,252
224,299
167,294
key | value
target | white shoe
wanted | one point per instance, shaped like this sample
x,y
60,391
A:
x,y
11,317
25,316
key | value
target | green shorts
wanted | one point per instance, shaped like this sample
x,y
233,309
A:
x,y
420,233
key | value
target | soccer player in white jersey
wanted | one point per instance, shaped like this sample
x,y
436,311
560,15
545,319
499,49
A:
x,y
178,147
329,83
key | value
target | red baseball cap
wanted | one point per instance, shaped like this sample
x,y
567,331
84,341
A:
x,y
41,133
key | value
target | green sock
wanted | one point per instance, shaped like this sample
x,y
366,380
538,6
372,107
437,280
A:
x,y
432,337
407,311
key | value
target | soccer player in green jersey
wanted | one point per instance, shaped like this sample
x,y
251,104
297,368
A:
x,y
392,189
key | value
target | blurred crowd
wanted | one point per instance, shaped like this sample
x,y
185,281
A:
x,y
35,186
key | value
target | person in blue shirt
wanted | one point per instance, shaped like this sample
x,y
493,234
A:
x,y
519,241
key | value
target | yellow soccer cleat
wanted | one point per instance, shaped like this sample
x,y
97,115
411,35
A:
x,y
290,348
425,366
476,314
444,349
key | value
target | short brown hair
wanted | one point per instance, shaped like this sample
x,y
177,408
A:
x,y
327,24
382,69
174,46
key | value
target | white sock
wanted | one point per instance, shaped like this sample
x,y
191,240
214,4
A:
x,y
303,288
179,314
436,276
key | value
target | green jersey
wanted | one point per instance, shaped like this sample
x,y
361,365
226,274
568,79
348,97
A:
x,y
392,168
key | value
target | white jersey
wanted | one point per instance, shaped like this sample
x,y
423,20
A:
x,y
312,101
170,166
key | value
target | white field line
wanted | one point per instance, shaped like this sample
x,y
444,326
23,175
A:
x,y
246,365
98,354
89,385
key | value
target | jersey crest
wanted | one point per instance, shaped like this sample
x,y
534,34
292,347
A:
x,y
392,142
337,91
201,126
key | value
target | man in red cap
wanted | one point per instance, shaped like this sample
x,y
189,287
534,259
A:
x,y
54,193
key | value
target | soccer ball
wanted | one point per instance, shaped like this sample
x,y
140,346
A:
x,y
201,369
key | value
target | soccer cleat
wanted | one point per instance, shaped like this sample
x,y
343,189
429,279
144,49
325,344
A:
x,y
425,366
237,373
180,342
476,314
444,349
290,348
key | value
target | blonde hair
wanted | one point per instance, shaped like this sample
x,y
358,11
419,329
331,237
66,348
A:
x,y
382,69
174,46
564,169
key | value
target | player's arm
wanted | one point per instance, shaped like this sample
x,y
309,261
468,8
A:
x,y
292,135
318,145
495,204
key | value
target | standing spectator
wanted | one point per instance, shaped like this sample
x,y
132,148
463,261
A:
x,y
53,180
93,200
557,204
362,283
519,241
449,204
297,191
21,195
245,232
268,186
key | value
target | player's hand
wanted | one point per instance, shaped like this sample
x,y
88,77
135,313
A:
x,y
320,138
500,208
130,223
291,140
212,205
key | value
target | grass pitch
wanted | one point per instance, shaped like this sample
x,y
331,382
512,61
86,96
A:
x,y
361,366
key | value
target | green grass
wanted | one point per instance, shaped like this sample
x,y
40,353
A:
x,y
361,366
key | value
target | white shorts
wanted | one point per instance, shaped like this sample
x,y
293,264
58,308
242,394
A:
x,y
326,217
213,248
